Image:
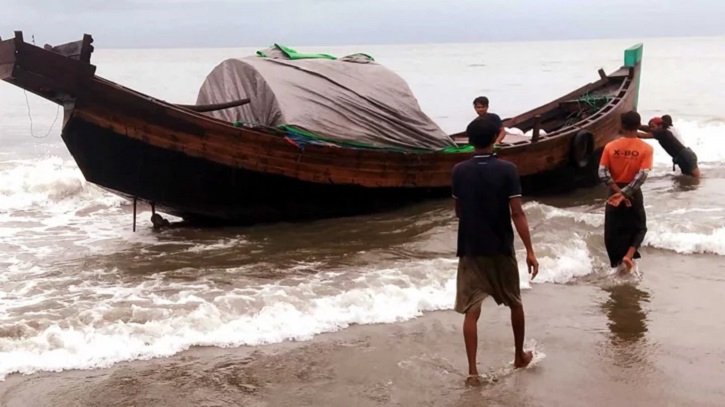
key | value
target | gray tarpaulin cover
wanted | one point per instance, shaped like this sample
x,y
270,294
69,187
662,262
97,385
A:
x,y
350,99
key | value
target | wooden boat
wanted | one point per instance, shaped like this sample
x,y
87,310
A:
x,y
188,164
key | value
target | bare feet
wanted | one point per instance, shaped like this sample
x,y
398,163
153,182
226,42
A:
x,y
628,263
474,380
523,360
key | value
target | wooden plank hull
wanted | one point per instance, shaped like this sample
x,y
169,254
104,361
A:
x,y
197,167
201,190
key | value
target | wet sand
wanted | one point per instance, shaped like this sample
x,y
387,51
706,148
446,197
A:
x,y
653,342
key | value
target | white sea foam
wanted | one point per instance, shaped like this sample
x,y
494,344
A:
x,y
154,325
685,242
560,262
548,213
52,183
97,317
156,318
705,139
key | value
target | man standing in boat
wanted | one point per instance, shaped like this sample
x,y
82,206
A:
x,y
480,105
487,195
660,129
624,167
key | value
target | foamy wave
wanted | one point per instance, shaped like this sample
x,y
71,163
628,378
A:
x,y
687,242
219,245
705,139
559,263
48,182
683,211
249,316
591,219
548,213
118,323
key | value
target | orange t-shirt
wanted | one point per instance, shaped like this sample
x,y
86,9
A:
x,y
625,156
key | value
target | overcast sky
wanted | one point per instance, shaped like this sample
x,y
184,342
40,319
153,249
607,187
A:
x,y
230,23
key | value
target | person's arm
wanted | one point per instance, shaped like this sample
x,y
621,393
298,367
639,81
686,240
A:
x,y
618,195
518,216
455,187
501,130
522,225
606,177
522,228
641,134
640,177
635,184
501,136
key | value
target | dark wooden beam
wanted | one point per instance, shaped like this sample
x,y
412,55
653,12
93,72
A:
x,y
19,36
86,48
537,128
602,74
216,106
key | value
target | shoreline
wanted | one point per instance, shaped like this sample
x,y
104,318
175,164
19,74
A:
x,y
646,343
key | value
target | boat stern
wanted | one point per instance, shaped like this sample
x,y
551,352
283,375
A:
x,y
633,60
57,73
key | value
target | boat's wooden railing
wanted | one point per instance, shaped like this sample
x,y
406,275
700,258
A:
x,y
619,95
68,75
54,73
80,50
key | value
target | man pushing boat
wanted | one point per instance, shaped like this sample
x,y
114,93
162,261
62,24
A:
x,y
661,129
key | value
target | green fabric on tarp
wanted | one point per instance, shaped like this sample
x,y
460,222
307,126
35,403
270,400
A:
x,y
294,55
353,144
304,133
362,54
350,99
467,148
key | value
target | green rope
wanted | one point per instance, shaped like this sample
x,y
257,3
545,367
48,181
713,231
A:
x,y
595,101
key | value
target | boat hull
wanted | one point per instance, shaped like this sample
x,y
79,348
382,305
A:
x,y
200,168
206,192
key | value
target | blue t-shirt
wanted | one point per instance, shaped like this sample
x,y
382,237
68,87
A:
x,y
483,186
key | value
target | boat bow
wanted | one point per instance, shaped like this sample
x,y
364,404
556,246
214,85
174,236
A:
x,y
58,73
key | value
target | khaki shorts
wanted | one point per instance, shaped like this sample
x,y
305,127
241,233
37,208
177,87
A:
x,y
479,277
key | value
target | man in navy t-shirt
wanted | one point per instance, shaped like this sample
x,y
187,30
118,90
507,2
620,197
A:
x,y
487,195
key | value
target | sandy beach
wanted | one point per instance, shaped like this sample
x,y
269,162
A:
x,y
355,311
646,343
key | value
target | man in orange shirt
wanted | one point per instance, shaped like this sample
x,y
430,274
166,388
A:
x,y
624,167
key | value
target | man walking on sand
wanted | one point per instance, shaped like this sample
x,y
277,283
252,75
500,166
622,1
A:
x,y
487,195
